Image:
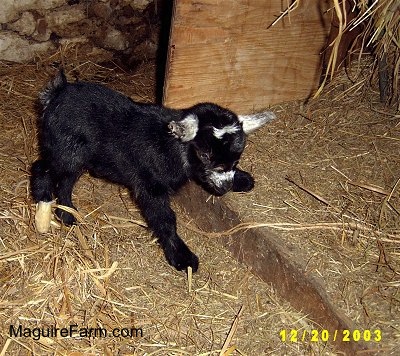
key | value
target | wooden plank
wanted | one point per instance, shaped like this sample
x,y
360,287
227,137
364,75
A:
x,y
224,51
268,258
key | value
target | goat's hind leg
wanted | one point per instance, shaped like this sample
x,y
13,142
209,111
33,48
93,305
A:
x,y
64,183
42,193
41,182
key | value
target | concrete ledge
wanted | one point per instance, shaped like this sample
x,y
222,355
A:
x,y
262,251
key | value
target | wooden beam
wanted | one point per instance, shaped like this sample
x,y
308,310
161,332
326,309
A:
x,y
269,258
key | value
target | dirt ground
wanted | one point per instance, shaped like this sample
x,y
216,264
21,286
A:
x,y
109,272
328,176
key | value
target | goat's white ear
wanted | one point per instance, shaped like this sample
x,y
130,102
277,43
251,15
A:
x,y
185,129
253,122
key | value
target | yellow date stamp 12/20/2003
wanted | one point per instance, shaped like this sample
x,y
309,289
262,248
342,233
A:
x,y
324,335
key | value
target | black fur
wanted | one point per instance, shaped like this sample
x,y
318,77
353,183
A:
x,y
147,148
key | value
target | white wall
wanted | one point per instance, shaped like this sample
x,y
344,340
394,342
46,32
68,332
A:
x,y
36,27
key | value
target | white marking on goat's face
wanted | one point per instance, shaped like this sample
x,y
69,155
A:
x,y
254,121
229,129
220,179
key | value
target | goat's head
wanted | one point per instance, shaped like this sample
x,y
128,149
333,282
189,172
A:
x,y
216,139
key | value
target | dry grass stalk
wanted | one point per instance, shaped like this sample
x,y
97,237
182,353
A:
x,y
309,191
286,226
226,350
291,7
340,10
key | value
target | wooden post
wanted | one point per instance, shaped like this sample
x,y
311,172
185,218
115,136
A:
x,y
226,52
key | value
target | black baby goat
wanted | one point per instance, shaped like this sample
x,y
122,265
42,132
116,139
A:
x,y
150,149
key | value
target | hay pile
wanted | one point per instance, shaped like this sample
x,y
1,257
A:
x,y
109,272
379,25
380,22
328,179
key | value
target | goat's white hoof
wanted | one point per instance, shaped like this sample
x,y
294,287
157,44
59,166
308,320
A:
x,y
43,216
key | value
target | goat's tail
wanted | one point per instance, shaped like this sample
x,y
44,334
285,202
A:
x,y
52,88
42,193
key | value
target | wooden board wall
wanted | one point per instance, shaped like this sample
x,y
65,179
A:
x,y
224,51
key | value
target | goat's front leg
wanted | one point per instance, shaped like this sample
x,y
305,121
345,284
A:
x,y
162,221
242,181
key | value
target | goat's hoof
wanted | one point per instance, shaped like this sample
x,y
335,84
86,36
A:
x,y
67,218
182,258
242,182
43,216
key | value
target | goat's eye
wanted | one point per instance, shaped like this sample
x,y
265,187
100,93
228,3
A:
x,y
204,156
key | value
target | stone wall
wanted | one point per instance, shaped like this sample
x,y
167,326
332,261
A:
x,y
31,28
